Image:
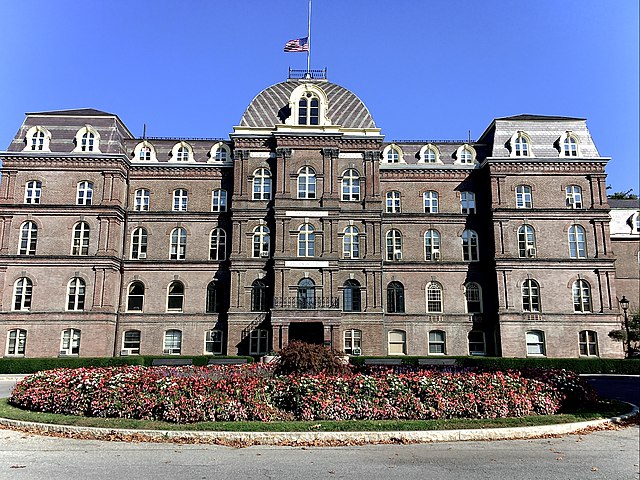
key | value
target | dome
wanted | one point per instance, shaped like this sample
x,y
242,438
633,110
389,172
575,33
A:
x,y
271,106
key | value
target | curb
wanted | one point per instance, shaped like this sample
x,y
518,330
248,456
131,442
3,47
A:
x,y
316,438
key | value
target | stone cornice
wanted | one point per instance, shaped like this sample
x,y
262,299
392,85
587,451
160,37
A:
x,y
594,166
420,173
118,163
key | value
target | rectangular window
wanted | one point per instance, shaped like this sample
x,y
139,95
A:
x,y
259,342
437,345
535,343
213,342
17,342
397,342
353,342
588,343
468,202
131,342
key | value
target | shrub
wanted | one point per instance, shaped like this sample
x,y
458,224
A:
x,y
305,358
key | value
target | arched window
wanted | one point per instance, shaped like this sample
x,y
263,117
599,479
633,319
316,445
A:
x,y
139,244
477,345
28,238
80,244
180,199
259,296
351,296
135,297
397,342
75,294
219,200
306,241
437,342
32,192
430,155
306,297
466,155
530,296
574,196
175,297
473,297
430,200
524,198
393,155
581,296
395,297
178,246
213,342
38,140
351,186
261,242
351,243
577,242
588,341
22,291
394,245
214,297
521,145
218,244
172,344
262,184
84,193
220,153
87,143
16,342
70,342
470,246
308,110
353,342
432,245
306,183
182,154
526,241
144,154
131,342
141,200
570,146
535,343
467,202
434,298
87,139
393,202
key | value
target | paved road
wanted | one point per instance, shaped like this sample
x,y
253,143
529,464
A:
x,y
625,388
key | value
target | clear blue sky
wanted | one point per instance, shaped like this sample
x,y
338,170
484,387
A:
x,y
426,69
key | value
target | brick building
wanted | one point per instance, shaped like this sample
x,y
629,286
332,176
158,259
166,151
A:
x,y
305,224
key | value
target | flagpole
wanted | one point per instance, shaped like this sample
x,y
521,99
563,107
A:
x,y
309,43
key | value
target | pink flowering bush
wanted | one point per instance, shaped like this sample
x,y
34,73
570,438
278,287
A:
x,y
253,392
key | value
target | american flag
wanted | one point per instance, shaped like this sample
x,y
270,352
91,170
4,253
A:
x,y
297,45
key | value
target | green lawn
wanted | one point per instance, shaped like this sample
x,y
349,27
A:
x,y
604,409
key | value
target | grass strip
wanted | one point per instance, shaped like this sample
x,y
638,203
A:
x,y
604,409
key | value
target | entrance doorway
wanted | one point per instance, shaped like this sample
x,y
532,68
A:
x,y
308,332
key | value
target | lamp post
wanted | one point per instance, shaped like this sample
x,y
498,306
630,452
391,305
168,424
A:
x,y
624,304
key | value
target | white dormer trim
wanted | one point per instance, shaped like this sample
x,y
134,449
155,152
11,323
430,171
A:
x,y
425,149
176,150
219,147
294,100
563,138
460,155
88,147
138,149
387,151
37,140
512,143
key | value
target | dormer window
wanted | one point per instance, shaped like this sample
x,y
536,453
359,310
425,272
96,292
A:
x,y
393,154
181,152
520,145
37,139
466,155
569,145
87,140
220,153
144,152
309,110
429,154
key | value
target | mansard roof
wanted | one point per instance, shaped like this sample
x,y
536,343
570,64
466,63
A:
x,y
540,118
76,112
270,107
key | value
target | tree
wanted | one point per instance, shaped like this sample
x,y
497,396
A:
x,y
623,195
634,335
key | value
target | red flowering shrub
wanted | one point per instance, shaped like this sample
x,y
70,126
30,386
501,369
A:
x,y
252,392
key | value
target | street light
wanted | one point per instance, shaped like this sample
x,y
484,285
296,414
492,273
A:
x,y
624,305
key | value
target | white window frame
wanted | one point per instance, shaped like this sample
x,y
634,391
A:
x,y
176,296
397,338
218,244
80,239
465,155
437,342
144,152
526,241
28,238
306,240
70,342
37,139
434,295
131,295
577,235
531,298
473,294
432,245
569,145
84,193
394,244
220,153
393,202
307,183
261,242
351,242
180,200
178,244
261,184
22,295
139,243
181,153
475,351
32,192
141,200
467,202
16,343
536,345
431,200
219,200
470,246
131,346
87,140
574,196
350,186
172,342
581,292
429,154
524,196
521,145
588,343
76,295
352,340
213,342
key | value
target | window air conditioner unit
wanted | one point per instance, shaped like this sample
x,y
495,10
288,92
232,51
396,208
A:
x,y
347,254
171,351
124,352
356,351
397,256
531,252
264,254
63,353
142,256
571,201
436,255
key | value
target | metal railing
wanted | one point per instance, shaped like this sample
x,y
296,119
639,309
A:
x,y
310,74
302,303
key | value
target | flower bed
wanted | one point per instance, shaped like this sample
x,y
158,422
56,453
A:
x,y
252,392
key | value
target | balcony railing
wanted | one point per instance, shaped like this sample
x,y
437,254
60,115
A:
x,y
301,303
308,74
